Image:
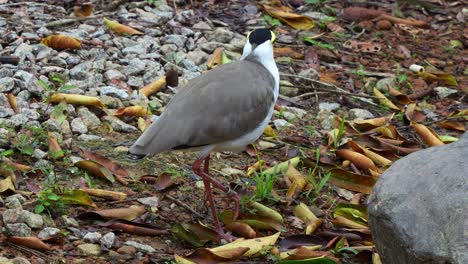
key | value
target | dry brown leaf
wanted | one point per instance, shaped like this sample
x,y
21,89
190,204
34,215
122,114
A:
x,y
255,245
60,42
95,169
76,99
121,29
207,256
13,102
120,172
375,157
128,213
110,195
216,58
356,158
412,114
351,181
135,110
367,124
29,242
345,222
428,135
153,87
287,52
54,148
139,229
83,10
242,229
453,125
399,96
284,15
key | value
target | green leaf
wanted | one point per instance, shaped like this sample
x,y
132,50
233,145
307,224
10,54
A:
x,y
271,20
312,2
53,197
357,213
179,231
319,43
44,85
76,197
6,153
39,209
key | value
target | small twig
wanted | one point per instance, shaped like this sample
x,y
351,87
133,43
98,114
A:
x,y
183,205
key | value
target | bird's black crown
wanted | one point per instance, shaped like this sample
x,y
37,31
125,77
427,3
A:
x,y
258,36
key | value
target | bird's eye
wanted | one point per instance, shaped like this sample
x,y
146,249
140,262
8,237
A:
x,y
273,37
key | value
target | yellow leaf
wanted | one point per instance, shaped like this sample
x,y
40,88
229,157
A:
x,y
269,132
111,195
384,100
153,87
428,135
121,29
303,212
76,99
294,20
255,245
283,166
7,185
135,110
266,211
215,59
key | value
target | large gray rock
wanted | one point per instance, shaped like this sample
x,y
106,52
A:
x,y
419,206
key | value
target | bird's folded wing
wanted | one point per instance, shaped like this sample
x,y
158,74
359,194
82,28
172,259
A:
x,y
222,104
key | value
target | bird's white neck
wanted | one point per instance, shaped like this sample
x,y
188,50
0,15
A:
x,y
263,53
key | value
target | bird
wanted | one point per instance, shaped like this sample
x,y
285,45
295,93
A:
x,y
224,109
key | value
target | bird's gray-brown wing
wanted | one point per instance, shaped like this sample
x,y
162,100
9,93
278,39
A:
x,y
222,104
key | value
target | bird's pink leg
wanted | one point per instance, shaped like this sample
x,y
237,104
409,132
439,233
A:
x,y
232,194
205,177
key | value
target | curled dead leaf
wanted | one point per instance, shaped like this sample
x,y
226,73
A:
x,y
266,211
285,15
351,181
54,148
13,102
121,29
208,256
255,245
29,242
83,10
287,52
60,42
383,100
135,110
242,229
399,96
75,99
216,58
153,87
105,194
126,213
95,169
358,159
129,227
305,214
453,125
428,135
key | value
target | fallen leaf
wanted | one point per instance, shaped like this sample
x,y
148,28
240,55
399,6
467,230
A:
x,y
95,169
283,166
453,125
75,99
120,172
383,100
399,96
163,182
354,212
135,110
367,124
153,87
351,181
207,256
295,241
428,135
260,222
447,78
179,231
7,185
241,229
13,102
305,214
358,159
83,10
412,114
305,253
54,148
126,213
388,144
375,157
266,211
29,242
459,113
298,182
139,229
60,42
287,52
345,222
255,245
110,195
203,232
320,260
121,29
269,131
76,197
216,58
284,15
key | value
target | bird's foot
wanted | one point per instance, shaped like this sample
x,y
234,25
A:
x,y
226,237
234,196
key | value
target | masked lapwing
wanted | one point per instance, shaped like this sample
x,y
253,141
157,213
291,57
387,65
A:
x,y
224,109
